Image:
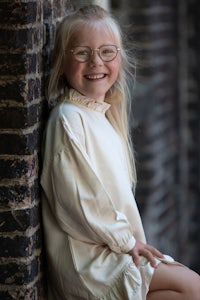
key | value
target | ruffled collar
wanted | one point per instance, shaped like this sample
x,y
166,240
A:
x,y
76,98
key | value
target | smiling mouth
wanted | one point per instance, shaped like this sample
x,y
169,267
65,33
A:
x,y
95,76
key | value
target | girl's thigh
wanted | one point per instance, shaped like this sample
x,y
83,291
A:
x,y
175,278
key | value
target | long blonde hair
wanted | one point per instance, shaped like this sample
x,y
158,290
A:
x,y
119,95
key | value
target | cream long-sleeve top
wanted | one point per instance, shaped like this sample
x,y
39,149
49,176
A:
x,y
91,220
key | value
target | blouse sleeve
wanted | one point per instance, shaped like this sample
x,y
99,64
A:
x,y
80,203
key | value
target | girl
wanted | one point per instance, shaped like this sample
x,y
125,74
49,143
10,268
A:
x,y
96,247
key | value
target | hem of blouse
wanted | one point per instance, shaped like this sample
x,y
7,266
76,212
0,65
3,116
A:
x,y
116,287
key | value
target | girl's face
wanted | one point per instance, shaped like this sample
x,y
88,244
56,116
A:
x,y
94,77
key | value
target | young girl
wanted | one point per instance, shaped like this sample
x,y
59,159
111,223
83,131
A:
x,y
96,247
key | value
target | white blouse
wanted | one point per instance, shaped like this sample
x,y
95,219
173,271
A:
x,y
90,216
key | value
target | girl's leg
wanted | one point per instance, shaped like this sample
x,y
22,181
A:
x,y
173,282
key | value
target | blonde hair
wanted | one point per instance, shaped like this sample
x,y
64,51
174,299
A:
x,y
119,95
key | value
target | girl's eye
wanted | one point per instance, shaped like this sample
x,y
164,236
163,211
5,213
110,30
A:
x,y
84,53
107,51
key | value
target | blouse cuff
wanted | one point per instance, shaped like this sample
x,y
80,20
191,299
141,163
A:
x,y
129,246
125,248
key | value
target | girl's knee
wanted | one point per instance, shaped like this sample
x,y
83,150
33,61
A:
x,y
179,280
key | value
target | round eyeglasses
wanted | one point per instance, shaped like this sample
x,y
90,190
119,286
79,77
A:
x,y
84,53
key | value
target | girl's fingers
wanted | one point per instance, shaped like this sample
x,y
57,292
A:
x,y
151,259
154,251
148,255
147,251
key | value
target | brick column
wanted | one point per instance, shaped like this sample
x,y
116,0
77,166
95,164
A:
x,y
26,33
21,32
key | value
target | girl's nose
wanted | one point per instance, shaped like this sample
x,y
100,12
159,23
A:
x,y
95,59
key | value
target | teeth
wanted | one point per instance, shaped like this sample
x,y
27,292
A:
x,y
95,76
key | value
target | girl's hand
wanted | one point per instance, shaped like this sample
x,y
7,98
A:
x,y
147,251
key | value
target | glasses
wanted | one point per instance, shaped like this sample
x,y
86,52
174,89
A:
x,y
84,53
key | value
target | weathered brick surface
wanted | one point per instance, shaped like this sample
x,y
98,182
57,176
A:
x,y
22,50
15,64
19,143
21,292
20,245
26,38
20,117
18,13
26,167
17,194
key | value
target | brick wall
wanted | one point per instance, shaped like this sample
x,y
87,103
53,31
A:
x,y
26,32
